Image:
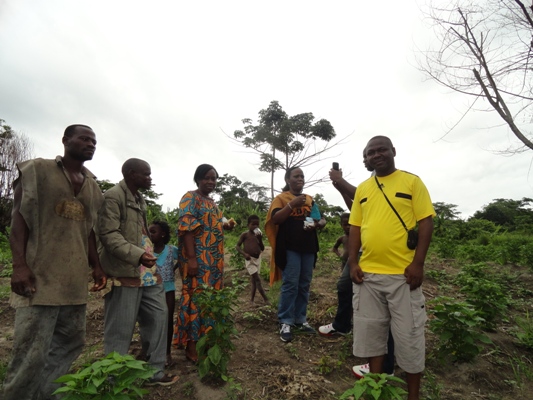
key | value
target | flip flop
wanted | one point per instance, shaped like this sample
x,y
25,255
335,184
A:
x,y
165,380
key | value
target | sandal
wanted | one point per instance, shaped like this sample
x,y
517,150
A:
x,y
165,380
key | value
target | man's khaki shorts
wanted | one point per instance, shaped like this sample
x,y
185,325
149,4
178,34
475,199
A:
x,y
384,301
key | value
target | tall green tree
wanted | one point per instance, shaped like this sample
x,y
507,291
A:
x,y
283,141
240,199
511,214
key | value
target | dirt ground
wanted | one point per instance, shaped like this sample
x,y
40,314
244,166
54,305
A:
x,y
314,367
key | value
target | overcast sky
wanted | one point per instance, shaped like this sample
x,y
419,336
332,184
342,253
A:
x,y
163,81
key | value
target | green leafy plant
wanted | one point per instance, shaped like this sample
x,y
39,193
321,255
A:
x,y
431,389
113,377
488,298
476,253
6,267
376,387
446,247
457,327
264,271
526,255
525,335
232,389
484,290
326,365
215,347
522,372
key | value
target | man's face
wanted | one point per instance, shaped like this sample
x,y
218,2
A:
x,y
380,155
81,145
141,176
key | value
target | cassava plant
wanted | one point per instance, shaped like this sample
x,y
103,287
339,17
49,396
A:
x,y
458,329
376,387
115,377
215,347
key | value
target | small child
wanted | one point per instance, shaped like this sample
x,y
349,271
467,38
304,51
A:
x,y
343,240
253,246
167,255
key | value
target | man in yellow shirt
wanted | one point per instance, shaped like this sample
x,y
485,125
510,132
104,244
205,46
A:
x,y
389,274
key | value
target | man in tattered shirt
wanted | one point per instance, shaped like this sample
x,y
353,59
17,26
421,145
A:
x,y
53,244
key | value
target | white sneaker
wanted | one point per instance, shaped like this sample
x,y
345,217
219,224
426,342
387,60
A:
x,y
328,330
359,371
285,333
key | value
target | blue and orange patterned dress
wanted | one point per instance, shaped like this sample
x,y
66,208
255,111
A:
x,y
201,216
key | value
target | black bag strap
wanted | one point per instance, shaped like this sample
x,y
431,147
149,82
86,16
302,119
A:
x,y
390,204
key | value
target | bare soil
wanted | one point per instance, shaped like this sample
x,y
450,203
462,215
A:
x,y
315,367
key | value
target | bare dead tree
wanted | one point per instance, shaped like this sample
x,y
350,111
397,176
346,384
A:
x,y
14,147
485,51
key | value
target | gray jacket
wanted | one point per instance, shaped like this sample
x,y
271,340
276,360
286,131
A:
x,y
120,223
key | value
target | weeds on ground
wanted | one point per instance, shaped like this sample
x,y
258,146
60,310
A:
x,y
431,389
327,365
522,372
6,266
264,271
215,347
376,387
90,354
273,294
457,327
113,377
188,390
258,315
3,371
293,351
487,297
346,347
232,389
525,334
5,291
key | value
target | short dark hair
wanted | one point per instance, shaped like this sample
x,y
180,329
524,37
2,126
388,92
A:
x,y
71,129
287,176
386,138
165,228
132,164
201,172
345,216
253,218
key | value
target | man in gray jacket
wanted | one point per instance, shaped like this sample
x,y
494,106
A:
x,y
137,292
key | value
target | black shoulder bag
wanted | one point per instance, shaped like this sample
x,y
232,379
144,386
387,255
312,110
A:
x,y
412,235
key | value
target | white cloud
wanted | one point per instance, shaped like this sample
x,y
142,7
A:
x,y
161,80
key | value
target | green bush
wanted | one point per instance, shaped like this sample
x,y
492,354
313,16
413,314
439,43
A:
x,y
509,248
526,255
215,347
475,253
446,247
525,334
457,327
113,377
484,290
487,297
377,387
6,267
